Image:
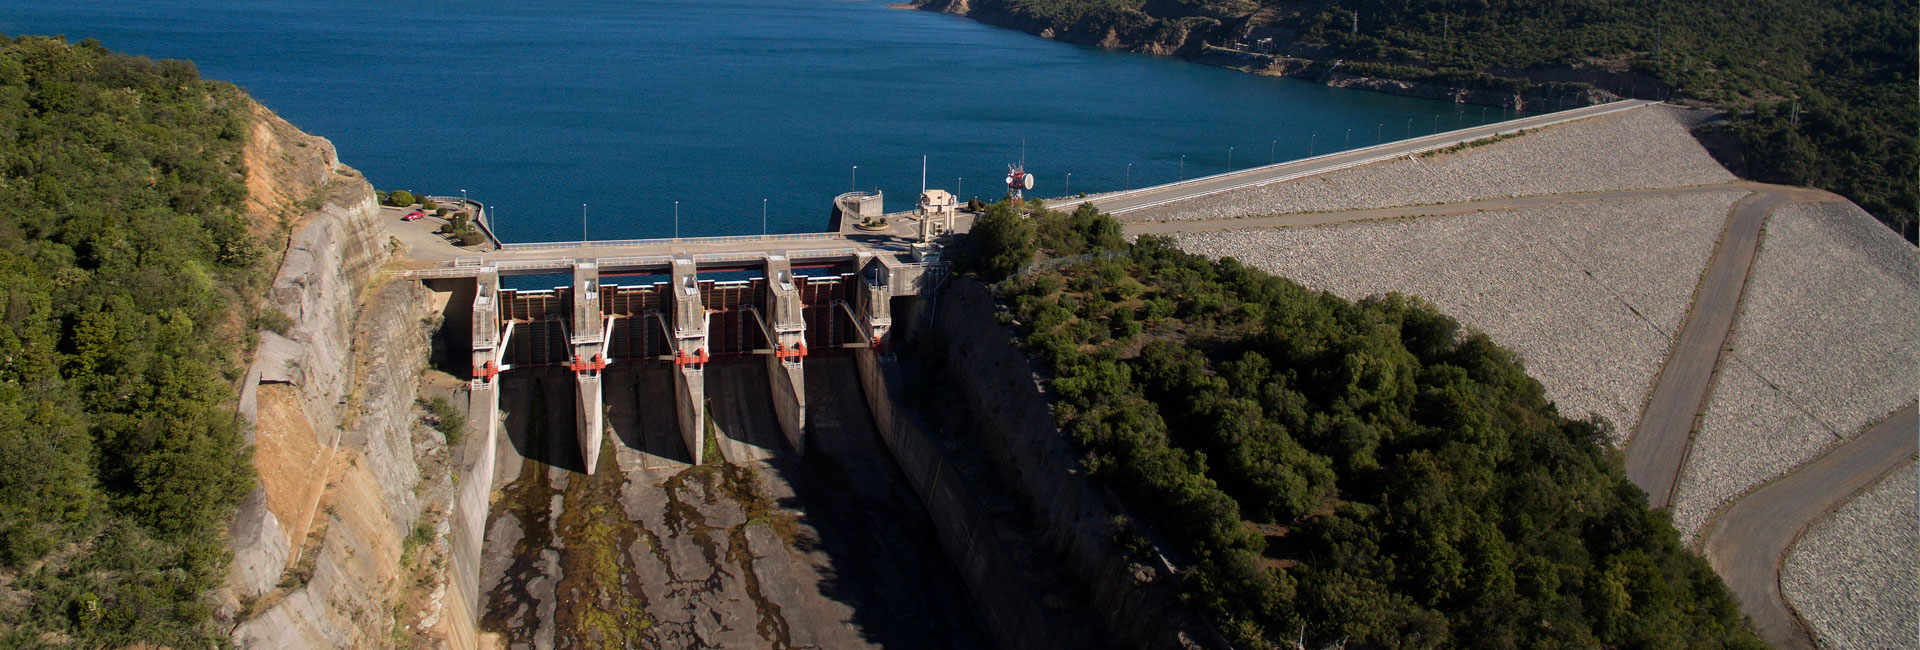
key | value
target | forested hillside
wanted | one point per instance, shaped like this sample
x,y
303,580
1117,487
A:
x,y
123,258
1824,91
1361,471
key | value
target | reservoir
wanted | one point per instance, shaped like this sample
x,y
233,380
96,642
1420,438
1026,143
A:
x,y
628,106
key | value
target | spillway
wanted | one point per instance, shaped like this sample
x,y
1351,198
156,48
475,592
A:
x,y
759,546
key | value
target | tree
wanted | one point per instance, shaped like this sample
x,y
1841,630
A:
x,y
1001,242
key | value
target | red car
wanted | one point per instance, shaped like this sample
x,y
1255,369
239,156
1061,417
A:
x,y
413,216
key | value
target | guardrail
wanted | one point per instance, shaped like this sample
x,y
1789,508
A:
x,y
471,266
666,241
480,218
1378,153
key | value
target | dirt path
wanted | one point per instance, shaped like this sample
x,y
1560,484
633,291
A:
x,y
1748,541
1657,451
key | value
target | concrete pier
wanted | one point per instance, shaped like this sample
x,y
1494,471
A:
x,y
483,408
786,329
589,344
873,300
689,356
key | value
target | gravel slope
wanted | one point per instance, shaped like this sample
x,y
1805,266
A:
x,y
1589,294
1825,344
1645,148
1854,576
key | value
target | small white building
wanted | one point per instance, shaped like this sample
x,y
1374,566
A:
x,y
937,208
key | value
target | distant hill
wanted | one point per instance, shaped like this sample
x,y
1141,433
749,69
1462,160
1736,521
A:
x,y
1823,92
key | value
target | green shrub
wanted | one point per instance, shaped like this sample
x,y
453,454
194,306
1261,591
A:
x,y
428,205
1369,471
449,421
446,229
124,258
401,198
472,237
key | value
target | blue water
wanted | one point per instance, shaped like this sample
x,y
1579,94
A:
x,y
629,106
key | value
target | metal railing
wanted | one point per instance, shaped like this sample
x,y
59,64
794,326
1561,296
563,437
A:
x,y
668,241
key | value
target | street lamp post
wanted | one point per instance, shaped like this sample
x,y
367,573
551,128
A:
x,y
1409,128
1349,142
853,180
1483,115
1273,147
1069,183
1436,122
583,223
1310,144
1129,176
957,184
1183,167
1229,159
763,217
676,219
1376,132
463,199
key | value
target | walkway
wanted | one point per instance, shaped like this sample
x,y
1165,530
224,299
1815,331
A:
x,y
1748,542
1657,450
1140,199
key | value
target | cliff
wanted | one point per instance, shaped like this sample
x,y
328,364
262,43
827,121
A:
x,y
331,394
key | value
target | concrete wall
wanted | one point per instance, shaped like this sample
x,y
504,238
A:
x,y
999,593
1139,604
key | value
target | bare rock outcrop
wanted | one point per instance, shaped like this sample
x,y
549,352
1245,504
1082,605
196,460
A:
x,y
331,394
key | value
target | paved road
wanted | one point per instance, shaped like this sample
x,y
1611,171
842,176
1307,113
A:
x,y
1748,541
1448,209
1128,201
1658,448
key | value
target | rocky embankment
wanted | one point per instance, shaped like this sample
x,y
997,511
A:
x,y
1119,29
1640,149
1824,345
346,470
1852,576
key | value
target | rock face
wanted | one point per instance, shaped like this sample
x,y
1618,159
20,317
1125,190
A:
x,y
331,395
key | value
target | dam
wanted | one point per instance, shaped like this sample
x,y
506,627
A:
x,y
678,452
692,442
